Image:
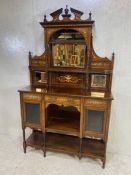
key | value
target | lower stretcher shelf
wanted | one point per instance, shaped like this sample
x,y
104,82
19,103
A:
x,y
67,144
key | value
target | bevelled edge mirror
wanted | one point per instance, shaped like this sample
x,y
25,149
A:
x,y
98,80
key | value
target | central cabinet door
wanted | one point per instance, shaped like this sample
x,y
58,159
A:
x,y
95,115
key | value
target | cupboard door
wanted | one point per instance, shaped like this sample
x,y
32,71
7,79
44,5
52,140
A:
x,y
32,113
94,120
94,123
33,110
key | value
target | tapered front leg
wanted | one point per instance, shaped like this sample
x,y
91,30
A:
x,y
44,144
24,141
104,162
80,151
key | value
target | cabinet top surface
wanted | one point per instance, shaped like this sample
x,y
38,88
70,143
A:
x,y
70,92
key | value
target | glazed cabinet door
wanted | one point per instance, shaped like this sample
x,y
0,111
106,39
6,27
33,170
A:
x,y
32,110
95,118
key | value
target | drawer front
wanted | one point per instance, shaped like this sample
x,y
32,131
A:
x,y
32,97
96,103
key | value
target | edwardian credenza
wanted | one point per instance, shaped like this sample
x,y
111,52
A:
x,y
68,102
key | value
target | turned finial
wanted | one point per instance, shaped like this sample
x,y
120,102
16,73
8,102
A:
x,y
66,10
90,14
113,56
30,54
45,18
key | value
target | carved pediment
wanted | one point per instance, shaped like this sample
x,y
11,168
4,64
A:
x,y
66,15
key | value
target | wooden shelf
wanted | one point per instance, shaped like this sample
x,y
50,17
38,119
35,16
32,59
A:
x,y
61,119
54,142
69,126
35,139
62,143
67,144
67,69
68,41
93,148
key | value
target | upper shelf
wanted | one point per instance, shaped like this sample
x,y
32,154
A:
x,y
50,90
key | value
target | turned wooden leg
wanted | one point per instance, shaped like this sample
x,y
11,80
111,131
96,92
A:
x,y
44,144
104,159
24,141
80,152
104,162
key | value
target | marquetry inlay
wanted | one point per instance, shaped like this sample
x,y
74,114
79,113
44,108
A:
x,y
106,65
32,97
68,79
96,103
38,62
66,101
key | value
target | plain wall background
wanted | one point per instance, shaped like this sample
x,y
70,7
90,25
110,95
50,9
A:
x,y
20,32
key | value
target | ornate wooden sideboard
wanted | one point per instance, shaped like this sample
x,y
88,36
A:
x,y
68,103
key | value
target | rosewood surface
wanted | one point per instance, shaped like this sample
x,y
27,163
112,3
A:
x,y
68,102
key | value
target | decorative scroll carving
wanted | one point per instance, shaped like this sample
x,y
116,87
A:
x,y
65,105
98,62
32,97
68,79
76,13
55,15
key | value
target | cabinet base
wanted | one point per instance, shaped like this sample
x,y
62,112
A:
x,y
67,144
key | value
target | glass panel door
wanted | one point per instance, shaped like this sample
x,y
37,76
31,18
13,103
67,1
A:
x,y
32,113
94,120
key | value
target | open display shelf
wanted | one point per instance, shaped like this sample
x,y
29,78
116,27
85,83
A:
x,y
62,119
67,144
64,126
93,148
68,102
